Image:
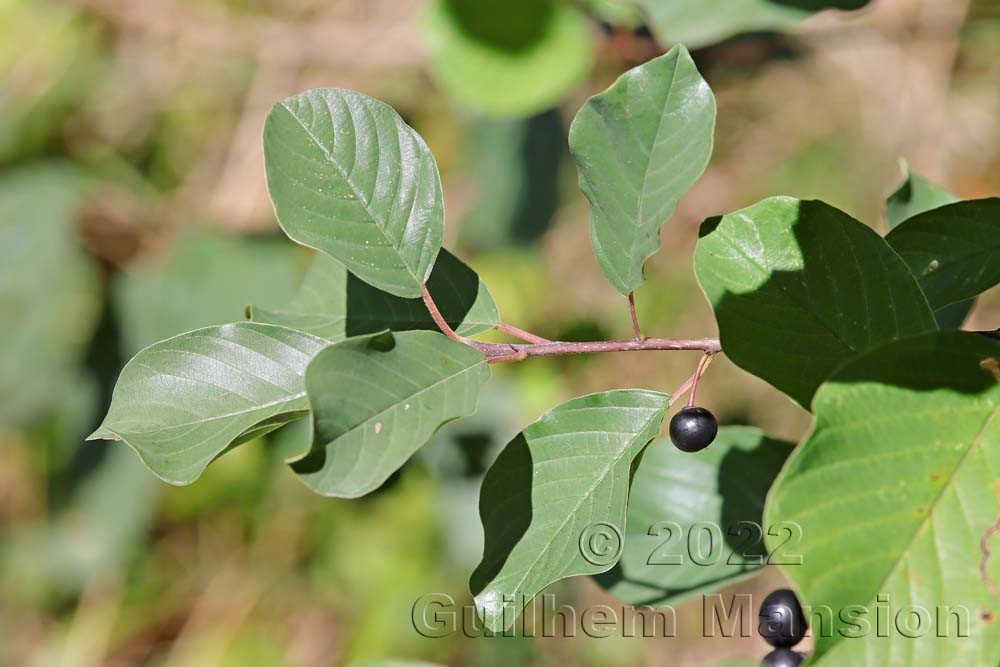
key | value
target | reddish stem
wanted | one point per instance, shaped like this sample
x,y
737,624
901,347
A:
x,y
702,365
437,316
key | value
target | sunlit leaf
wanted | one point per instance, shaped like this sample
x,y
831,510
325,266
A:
x,y
376,399
799,287
639,146
895,491
348,177
553,503
182,402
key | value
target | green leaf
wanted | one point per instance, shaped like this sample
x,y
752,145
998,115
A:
x,y
49,291
553,503
695,521
639,146
376,399
207,278
514,58
954,250
703,22
349,178
895,490
914,195
799,287
182,402
333,304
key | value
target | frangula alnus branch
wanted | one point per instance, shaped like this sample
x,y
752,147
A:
x,y
505,352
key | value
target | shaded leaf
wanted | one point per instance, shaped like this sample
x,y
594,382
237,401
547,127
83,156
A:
x,y
48,290
207,278
349,178
639,146
554,500
914,195
376,399
715,498
954,250
333,304
182,402
514,58
799,287
894,489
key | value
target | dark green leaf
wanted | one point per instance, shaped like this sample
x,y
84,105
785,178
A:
x,y
333,304
348,177
895,491
799,287
554,501
954,250
639,146
182,402
715,498
376,399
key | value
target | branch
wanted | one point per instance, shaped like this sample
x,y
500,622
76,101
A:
x,y
503,352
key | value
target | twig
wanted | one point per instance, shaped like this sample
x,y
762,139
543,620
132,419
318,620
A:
x,y
631,314
503,352
511,330
438,317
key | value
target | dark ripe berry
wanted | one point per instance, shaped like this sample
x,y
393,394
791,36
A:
x,y
782,657
693,429
782,622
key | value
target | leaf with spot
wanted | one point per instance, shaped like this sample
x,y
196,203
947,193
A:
x,y
564,475
799,287
349,178
333,304
377,399
639,146
182,402
895,491
953,250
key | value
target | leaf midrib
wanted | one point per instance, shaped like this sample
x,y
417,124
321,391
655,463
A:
x,y
359,196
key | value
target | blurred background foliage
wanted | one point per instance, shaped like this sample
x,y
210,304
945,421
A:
x,y
133,207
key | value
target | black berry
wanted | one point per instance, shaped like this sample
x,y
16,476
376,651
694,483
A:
x,y
782,622
693,429
782,657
